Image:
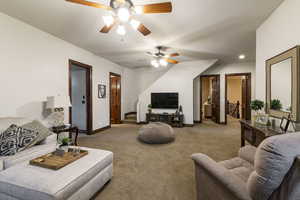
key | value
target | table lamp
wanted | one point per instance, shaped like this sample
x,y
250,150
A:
x,y
57,104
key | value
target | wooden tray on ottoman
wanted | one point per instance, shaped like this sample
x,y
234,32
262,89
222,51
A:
x,y
51,161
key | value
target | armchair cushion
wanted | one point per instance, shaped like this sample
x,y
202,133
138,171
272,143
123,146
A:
x,y
274,158
239,167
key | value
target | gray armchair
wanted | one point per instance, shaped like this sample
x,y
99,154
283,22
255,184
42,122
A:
x,y
270,172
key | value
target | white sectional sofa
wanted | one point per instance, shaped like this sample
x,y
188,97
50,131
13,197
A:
x,y
79,180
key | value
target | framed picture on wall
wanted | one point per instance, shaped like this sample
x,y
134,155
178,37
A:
x,y
101,91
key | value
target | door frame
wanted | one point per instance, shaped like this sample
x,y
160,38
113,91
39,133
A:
x,y
247,74
201,111
120,113
89,93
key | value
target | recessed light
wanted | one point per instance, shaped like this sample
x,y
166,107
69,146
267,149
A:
x,y
242,57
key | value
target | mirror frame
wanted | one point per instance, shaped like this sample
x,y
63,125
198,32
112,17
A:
x,y
294,54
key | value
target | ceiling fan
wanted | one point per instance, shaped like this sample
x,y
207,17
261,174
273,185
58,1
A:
x,y
123,11
162,59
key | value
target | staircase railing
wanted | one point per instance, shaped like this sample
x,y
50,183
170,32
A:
x,y
234,109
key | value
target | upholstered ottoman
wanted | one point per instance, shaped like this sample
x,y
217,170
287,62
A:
x,y
79,180
156,133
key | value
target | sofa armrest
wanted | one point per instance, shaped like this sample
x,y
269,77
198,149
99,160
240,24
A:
x,y
248,153
216,182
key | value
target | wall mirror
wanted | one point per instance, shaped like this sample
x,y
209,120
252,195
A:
x,y
283,85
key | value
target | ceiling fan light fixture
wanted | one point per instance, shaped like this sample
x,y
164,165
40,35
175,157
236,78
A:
x,y
108,20
135,24
121,30
138,10
123,14
155,63
163,62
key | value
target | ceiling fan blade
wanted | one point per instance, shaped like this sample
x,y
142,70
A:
x,y
144,30
171,61
174,55
157,8
106,28
88,3
149,53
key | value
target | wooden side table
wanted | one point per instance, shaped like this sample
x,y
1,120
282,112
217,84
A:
x,y
70,129
255,134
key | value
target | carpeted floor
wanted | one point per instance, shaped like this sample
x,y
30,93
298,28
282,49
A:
x,y
160,172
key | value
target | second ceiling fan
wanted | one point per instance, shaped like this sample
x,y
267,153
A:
x,y
123,11
162,59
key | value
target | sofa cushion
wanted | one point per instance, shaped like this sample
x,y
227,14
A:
x,y
28,182
274,158
7,121
37,126
16,139
31,153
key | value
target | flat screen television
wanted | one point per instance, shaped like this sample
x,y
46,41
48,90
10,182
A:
x,y
164,100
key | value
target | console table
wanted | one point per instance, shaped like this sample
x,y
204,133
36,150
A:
x,y
255,134
171,119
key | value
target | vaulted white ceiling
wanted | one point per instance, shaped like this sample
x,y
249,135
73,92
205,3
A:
x,y
198,29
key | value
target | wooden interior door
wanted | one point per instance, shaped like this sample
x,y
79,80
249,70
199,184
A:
x,y
115,99
216,99
246,98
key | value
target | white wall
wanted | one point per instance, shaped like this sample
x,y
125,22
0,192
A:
x,y
34,65
130,89
231,68
178,78
146,76
280,32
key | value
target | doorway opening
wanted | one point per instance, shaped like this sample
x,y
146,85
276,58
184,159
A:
x,y
210,98
115,98
237,97
80,91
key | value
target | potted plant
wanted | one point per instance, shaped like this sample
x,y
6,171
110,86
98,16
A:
x,y
149,108
276,104
257,106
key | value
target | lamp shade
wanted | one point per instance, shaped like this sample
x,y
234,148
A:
x,y
60,101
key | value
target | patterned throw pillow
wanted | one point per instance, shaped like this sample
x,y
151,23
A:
x,y
43,132
15,139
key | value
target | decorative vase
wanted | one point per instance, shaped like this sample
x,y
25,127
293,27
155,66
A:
x,y
64,147
254,118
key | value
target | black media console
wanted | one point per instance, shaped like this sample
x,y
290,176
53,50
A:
x,y
171,119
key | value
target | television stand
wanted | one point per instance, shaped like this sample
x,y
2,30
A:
x,y
171,119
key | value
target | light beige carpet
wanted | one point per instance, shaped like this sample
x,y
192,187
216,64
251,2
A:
x,y
160,172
